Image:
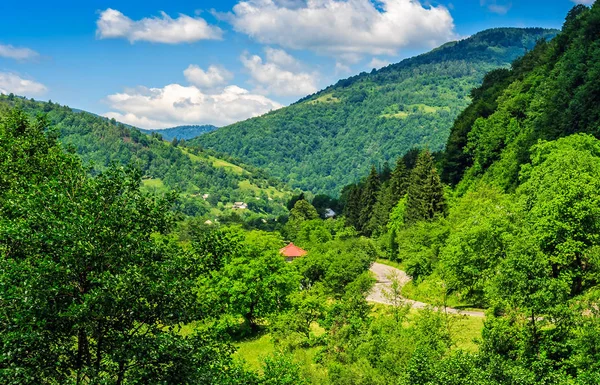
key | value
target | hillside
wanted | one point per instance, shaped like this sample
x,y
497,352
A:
x,y
194,173
330,139
181,132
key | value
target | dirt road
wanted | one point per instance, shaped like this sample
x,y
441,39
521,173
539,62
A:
x,y
385,274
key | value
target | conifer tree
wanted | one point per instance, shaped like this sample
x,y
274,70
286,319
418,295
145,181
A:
x,y
352,207
381,210
425,196
398,182
368,200
386,173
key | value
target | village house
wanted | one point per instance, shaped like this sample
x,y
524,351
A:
x,y
240,206
291,252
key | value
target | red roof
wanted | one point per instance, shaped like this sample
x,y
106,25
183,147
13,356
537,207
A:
x,y
292,251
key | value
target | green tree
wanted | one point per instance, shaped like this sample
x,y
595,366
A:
x,y
425,197
91,292
251,282
368,201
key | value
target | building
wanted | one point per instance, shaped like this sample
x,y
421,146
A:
x,y
291,252
240,206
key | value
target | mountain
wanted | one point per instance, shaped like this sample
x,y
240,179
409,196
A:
x,y
331,138
552,92
191,171
182,132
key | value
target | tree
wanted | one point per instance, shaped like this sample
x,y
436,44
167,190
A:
x,y
303,211
91,292
425,199
398,182
251,282
368,200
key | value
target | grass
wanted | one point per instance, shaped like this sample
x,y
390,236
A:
x,y
216,162
397,115
327,98
220,163
271,191
154,183
252,351
465,331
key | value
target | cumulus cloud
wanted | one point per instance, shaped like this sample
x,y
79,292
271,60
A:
x,y
495,6
175,105
345,29
17,53
585,2
378,63
10,82
113,24
279,74
213,77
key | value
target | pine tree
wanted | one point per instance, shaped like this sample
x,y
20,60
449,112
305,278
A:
x,y
425,197
381,211
368,200
398,182
352,207
386,173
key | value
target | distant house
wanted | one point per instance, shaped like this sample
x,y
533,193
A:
x,y
291,252
240,206
329,213
205,196
208,222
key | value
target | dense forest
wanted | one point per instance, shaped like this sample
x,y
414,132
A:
x,y
330,139
181,132
164,165
102,283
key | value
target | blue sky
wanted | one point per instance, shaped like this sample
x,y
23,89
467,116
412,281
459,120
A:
x,y
157,64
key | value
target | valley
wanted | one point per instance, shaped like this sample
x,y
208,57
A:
x,y
433,222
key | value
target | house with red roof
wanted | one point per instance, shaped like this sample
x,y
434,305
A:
x,y
291,252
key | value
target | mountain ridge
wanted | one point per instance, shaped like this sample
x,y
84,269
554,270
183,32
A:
x,y
331,138
186,132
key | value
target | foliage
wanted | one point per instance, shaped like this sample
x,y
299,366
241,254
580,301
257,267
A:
x,y
332,138
192,171
91,292
425,196
251,281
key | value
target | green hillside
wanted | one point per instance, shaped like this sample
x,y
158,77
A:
x,y
165,166
332,138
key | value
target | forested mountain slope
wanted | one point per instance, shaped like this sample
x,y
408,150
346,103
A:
x,y
331,138
182,132
552,92
518,230
100,142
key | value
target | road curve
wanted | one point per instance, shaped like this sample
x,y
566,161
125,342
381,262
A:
x,y
385,274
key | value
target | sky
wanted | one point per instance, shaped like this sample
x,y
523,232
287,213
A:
x,y
158,64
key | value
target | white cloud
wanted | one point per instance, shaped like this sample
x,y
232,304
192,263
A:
x,y
175,105
585,2
164,29
378,63
213,77
499,7
17,53
345,29
341,68
279,74
10,82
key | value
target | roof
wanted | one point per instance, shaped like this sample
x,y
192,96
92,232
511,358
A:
x,y
292,251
